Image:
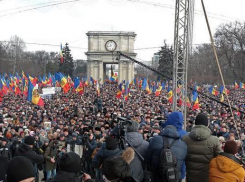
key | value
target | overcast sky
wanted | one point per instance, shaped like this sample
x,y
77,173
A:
x,y
71,21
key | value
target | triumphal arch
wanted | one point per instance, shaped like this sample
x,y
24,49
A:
x,y
102,50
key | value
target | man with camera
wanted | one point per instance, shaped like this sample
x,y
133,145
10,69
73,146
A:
x,y
27,150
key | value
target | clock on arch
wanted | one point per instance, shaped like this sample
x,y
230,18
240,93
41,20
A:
x,y
110,45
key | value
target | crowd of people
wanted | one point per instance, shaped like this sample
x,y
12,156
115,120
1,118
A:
x,y
104,138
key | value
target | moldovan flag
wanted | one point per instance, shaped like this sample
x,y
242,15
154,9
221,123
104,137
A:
x,y
61,54
158,91
86,83
242,85
63,82
119,94
222,98
196,104
236,85
213,91
34,96
98,89
170,96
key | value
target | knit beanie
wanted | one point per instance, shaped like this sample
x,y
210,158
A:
x,y
29,140
111,144
134,126
20,168
201,119
70,162
231,147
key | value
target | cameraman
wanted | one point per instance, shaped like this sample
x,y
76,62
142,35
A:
x,y
90,144
26,149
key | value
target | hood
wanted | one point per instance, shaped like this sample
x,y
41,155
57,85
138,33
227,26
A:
x,y
226,164
170,131
200,132
24,147
175,119
128,155
63,176
134,138
111,153
133,126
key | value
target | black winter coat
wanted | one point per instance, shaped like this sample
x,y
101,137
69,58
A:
x,y
63,176
26,151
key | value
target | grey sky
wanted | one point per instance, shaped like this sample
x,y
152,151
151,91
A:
x,y
69,22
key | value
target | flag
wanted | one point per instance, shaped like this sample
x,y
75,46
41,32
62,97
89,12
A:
x,y
242,85
188,104
224,90
163,85
213,91
33,95
196,105
4,88
61,54
119,94
170,96
126,93
222,98
86,83
63,82
49,81
194,96
25,88
158,91
144,84
78,85
236,85
93,80
98,89
132,82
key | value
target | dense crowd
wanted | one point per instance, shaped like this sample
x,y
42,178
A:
x,y
104,138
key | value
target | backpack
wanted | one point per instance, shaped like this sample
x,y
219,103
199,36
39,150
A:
x,y
168,163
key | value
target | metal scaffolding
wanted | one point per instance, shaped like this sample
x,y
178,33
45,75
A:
x,y
184,15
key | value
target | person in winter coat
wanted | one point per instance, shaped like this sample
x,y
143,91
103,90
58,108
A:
x,y
136,139
4,162
202,148
176,119
20,169
179,149
5,149
26,149
70,167
50,159
109,149
118,168
226,167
